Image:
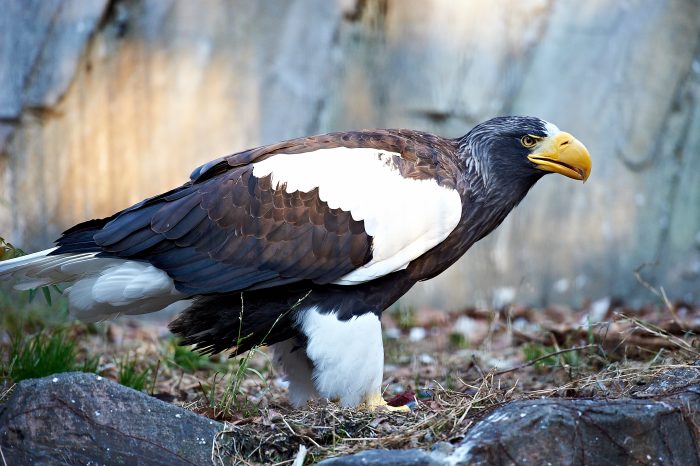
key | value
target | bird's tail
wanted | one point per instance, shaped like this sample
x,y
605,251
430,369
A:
x,y
100,287
40,268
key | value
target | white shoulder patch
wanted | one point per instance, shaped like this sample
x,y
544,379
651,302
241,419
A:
x,y
405,217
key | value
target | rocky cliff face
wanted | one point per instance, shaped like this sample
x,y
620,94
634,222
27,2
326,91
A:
x,y
104,103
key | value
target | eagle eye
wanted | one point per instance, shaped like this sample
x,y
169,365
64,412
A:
x,y
528,140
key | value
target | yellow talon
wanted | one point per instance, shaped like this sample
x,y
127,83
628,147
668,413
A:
x,y
377,402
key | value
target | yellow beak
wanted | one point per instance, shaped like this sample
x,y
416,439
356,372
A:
x,y
563,154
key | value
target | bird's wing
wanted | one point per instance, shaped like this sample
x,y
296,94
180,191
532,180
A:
x,y
325,210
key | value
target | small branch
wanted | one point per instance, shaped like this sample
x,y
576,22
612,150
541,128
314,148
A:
x,y
155,377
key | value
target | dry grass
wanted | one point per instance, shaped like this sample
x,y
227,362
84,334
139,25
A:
x,y
608,367
328,430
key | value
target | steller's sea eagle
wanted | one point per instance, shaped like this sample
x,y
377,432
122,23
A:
x,y
302,244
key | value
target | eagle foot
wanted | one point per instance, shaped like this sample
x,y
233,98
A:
x,y
377,403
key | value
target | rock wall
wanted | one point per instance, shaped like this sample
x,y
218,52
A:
x,y
105,102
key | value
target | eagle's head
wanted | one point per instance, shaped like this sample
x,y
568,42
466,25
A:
x,y
520,150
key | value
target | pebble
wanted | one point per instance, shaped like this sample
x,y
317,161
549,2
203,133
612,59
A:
x,y
425,358
417,334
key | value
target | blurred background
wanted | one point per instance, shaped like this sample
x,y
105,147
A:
x,y
103,103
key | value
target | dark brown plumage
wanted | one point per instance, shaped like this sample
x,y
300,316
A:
x,y
227,231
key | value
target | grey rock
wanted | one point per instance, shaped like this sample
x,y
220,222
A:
x,y
41,44
414,457
44,42
579,432
444,448
674,379
81,418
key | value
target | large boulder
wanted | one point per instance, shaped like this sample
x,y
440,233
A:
x,y
580,432
81,418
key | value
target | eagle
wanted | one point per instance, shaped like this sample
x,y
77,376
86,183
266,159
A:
x,y
301,245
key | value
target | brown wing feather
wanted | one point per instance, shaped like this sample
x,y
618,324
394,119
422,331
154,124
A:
x,y
227,230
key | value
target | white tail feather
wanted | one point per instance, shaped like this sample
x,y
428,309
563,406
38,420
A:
x,y
10,265
100,287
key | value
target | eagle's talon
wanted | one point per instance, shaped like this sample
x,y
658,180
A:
x,y
377,403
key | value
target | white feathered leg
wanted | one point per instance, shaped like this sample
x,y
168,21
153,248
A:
x,y
290,356
347,355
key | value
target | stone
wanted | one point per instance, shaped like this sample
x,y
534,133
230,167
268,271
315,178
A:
x,y
84,418
578,432
415,457
43,43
